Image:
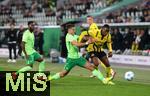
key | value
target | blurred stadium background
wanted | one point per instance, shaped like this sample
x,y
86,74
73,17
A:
x,y
127,18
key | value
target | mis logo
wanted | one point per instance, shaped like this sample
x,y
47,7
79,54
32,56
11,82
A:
x,y
26,83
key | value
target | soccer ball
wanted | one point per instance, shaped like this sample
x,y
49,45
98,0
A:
x,y
129,75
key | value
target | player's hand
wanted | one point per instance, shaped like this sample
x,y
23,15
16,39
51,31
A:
x,y
110,54
89,41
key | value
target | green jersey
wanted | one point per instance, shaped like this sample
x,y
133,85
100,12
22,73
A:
x,y
73,51
28,38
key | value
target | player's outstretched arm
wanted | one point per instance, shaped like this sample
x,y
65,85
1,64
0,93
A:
x,y
78,44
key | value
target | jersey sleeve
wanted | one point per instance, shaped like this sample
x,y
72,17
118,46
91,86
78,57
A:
x,y
93,29
76,37
69,38
82,35
24,37
109,43
93,26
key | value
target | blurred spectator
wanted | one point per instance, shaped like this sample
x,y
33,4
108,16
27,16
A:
x,y
5,10
128,38
11,35
19,39
72,9
28,13
117,40
133,13
39,40
45,4
136,41
119,19
110,2
49,12
34,6
36,40
10,20
144,39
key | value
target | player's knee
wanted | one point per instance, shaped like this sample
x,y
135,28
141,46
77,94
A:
x,y
89,67
107,64
40,60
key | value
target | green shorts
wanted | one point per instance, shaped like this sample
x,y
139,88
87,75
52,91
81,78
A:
x,y
33,57
70,63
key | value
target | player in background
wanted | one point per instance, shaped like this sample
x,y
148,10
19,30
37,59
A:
x,y
95,50
28,49
74,59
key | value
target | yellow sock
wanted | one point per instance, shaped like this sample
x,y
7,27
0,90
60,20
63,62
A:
x,y
103,65
108,71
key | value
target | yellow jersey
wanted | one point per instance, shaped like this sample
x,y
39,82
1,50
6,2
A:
x,y
96,33
101,40
91,32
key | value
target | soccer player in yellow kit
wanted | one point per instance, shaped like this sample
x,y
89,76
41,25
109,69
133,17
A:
x,y
95,50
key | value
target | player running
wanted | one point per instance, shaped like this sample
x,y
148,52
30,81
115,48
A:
x,y
95,50
73,57
28,49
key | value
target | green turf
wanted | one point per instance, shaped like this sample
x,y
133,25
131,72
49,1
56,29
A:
x,y
78,83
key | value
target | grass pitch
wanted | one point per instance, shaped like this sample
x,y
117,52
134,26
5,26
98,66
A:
x,y
78,83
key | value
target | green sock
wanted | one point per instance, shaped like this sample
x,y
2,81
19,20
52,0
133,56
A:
x,y
42,66
56,76
98,74
27,68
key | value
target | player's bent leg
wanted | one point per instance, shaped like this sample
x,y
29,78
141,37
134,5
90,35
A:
x,y
105,61
63,73
58,75
95,61
102,64
38,58
96,73
24,69
110,73
29,66
70,63
41,65
89,66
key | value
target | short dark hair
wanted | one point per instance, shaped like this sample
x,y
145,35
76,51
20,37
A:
x,y
12,24
89,16
30,22
106,26
70,26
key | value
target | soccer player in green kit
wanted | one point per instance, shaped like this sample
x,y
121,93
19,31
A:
x,y
28,50
73,57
